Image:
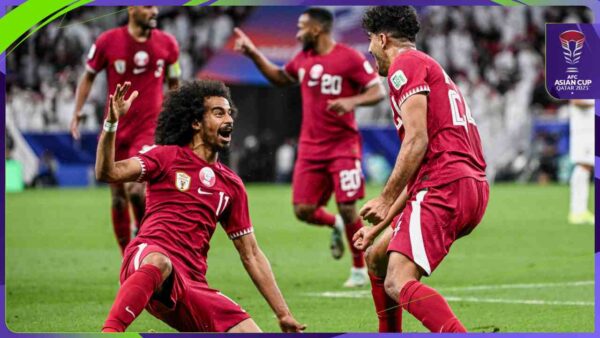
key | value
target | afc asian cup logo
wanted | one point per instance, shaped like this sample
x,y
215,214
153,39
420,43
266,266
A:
x,y
207,177
572,44
141,58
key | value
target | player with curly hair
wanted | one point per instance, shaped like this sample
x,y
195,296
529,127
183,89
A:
x,y
188,192
437,191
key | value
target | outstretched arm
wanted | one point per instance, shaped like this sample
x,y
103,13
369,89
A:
x,y
107,170
271,71
412,151
259,269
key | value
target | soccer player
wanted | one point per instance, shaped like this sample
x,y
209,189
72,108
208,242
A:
x,y
189,191
582,154
334,80
437,191
145,56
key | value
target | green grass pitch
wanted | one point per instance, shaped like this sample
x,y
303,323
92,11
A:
x,y
523,269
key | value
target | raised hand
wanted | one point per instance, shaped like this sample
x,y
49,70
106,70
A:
x,y
118,105
243,43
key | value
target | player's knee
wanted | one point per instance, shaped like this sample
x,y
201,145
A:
x,y
119,202
304,212
393,285
136,193
374,263
348,212
162,262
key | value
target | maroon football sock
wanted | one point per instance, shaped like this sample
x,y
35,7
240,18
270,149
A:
x,y
322,217
121,225
358,257
389,313
429,307
132,297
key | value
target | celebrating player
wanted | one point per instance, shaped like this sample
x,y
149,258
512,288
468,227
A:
x,y
141,54
437,191
582,154
334,80
189,191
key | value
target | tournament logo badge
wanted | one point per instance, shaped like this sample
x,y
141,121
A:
x,y
571,51
572,44
182,181
120,66
207,177
141,59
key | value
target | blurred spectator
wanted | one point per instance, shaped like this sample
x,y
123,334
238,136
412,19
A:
x,y
284,161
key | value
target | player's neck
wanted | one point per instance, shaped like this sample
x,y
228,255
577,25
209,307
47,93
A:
x,y
138,33
205,152
399,49
325,45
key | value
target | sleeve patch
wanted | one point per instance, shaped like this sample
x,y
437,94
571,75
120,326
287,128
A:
x,y
368,67
398,79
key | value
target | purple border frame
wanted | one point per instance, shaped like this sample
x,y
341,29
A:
x,y
5,332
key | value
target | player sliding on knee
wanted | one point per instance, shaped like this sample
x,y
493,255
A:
x,y
334,79
189,191
437,191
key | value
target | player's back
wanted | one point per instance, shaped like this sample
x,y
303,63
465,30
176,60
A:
x,y
454,150
185,199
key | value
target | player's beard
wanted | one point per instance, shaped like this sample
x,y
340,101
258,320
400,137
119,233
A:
x,y
382,65
308,43
146,24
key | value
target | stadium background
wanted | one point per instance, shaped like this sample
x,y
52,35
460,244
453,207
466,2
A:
x,y
494,54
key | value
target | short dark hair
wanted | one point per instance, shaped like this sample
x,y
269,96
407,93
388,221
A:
x,y
399,21
183,106
322,16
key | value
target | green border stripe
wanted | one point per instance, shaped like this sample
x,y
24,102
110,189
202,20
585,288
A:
x,y
16,22
50,19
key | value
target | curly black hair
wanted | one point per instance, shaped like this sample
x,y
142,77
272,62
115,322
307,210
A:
x,y
399,21
182,107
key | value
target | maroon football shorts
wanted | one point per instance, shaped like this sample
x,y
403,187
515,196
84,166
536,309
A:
x,y
315,181
131,146
435,217
189,306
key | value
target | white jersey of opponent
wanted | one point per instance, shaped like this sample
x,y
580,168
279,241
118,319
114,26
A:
x,y
582,133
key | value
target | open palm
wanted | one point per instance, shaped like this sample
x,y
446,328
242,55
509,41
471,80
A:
x,y
118,104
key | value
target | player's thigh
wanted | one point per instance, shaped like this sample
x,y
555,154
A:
x,y
426,228
245,326
376,255
348,180
136,256
311,184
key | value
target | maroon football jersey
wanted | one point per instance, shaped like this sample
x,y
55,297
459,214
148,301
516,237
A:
x,y
343,72
454,149
185,198
143,64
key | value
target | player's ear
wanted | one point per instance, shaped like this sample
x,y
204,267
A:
x,y
383,39
197,125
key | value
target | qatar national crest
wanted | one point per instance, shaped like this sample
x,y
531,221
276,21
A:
x,y
571,51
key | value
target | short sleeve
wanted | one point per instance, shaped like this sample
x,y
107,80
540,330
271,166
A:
x,y
96,58
408,77
292,66
154,161
362,72
174,69
236,219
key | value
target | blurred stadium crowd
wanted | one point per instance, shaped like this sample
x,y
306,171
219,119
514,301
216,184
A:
x,y
495,54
